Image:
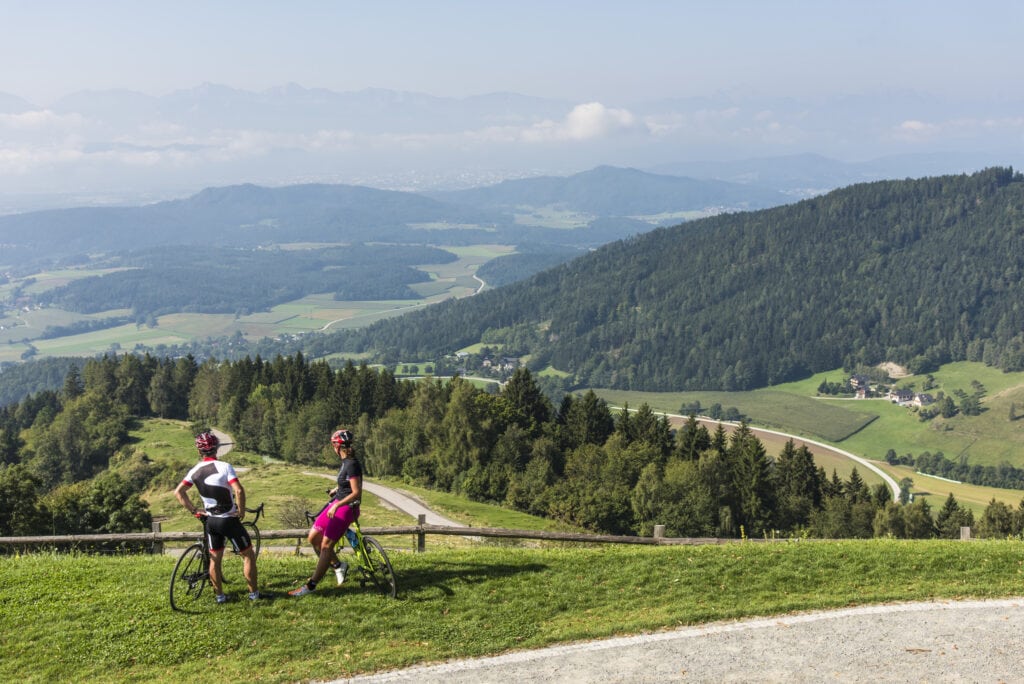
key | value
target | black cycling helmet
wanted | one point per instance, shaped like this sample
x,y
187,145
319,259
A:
x,y
342,438
207,443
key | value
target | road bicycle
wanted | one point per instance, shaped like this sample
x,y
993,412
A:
x,y
192,571
254,531
371,562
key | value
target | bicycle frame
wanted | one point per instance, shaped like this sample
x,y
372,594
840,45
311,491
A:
x,y
370,559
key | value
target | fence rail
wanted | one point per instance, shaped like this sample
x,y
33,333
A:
x,y
419,532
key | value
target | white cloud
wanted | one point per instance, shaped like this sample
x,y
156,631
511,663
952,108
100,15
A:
x,y
23,160
40,120
588,121
913,127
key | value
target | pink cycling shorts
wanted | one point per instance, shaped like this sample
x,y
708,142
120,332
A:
x,y
334,528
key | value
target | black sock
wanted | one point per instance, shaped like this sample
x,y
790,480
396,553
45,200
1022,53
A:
x,y
311,584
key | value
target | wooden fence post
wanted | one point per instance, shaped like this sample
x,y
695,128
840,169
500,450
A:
x,y
965,534
421,537
659,531
158,546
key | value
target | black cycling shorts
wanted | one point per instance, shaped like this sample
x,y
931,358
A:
x,y
230,529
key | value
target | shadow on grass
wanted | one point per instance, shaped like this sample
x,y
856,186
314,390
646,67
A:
x,y
443,576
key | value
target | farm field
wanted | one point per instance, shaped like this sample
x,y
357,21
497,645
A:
x,y
770,407
22,329
987,439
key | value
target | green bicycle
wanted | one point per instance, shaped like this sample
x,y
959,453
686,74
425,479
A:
x,y
371,560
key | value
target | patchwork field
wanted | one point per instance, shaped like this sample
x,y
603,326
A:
x,y
21,330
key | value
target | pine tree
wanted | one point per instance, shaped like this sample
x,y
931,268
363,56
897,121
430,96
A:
x,y
751,469
692,439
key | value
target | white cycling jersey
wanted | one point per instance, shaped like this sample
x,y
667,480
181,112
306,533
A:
x,y
212,479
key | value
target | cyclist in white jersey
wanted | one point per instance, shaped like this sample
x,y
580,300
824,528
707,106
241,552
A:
x,y
224,507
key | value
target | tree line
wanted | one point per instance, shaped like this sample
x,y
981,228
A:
x,y
67,464
1004,475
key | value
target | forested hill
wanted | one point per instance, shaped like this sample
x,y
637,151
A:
x,y
236,216
607,201
919,272
610,191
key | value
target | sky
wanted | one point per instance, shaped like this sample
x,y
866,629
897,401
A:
x,y
614,52
636,83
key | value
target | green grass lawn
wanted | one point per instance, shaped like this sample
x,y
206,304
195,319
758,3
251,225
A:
x,y
107,619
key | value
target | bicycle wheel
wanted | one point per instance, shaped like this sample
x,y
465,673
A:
x,y
380,572
254,534
190,577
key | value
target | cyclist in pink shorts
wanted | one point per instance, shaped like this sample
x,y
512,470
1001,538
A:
x,y
337,515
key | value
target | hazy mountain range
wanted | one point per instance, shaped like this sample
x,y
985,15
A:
x,y
607,204
120,147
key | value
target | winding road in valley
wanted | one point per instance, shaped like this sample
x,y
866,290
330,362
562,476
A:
x,y
676,420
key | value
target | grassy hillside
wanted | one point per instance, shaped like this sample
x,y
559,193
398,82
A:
x,y
987,439
114,622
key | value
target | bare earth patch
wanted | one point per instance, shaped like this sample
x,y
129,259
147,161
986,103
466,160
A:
x,y
894,369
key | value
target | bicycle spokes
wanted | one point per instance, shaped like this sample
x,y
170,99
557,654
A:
x,y
191,574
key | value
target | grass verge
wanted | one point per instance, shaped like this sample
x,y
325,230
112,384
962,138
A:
x,y
103,619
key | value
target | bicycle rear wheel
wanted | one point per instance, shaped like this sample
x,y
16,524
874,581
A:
x,y
379,571
254,534
190,577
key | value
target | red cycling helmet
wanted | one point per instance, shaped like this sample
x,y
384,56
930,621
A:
x,y
207,443
342,438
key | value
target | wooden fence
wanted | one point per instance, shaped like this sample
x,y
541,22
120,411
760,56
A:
x,y
154,540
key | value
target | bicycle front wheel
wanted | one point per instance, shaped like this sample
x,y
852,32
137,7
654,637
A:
x,y
254,535
380,572
190,577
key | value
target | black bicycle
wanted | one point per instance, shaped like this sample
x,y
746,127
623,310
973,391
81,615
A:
x,y
254,531
371,561
192,571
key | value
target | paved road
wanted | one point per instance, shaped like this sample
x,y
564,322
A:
x,y
400,501
942,641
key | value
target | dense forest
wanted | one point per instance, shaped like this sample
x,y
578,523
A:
x,y
222,280
920,272
523,264
67,464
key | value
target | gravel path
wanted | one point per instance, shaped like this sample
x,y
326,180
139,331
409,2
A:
x,y
940,641
400,501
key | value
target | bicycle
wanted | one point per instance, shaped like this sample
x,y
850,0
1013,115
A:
x,y
252,529
192,571
371,560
